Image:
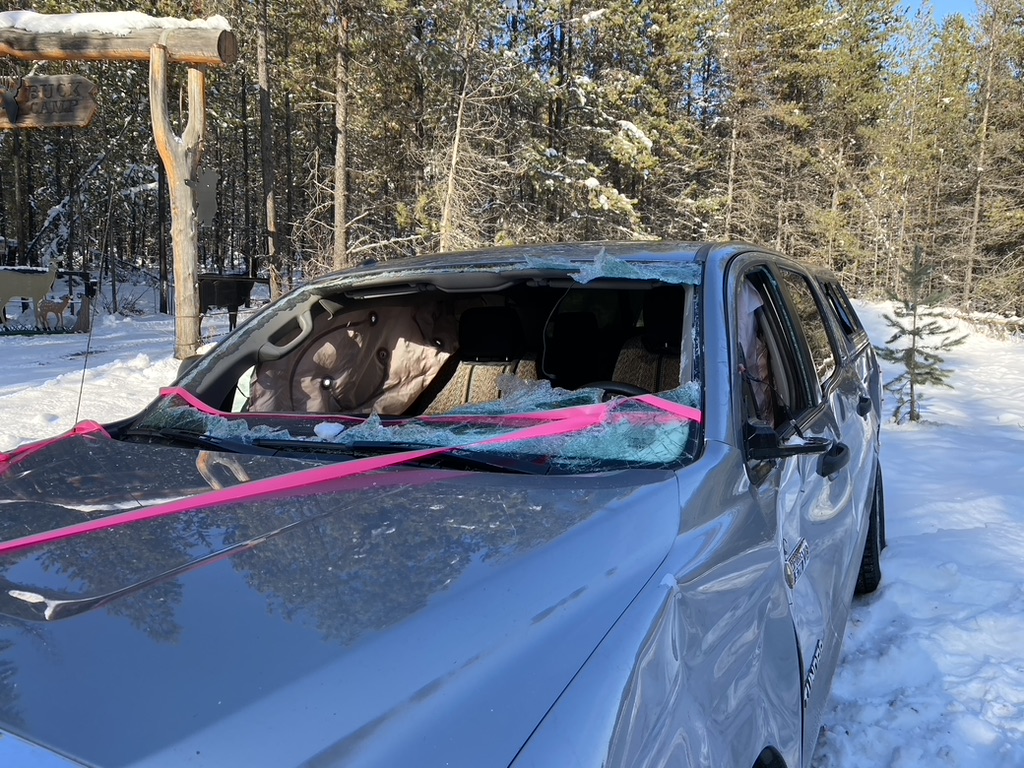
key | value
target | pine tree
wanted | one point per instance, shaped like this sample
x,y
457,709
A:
x,y
921,188
858,60
918,324
994,269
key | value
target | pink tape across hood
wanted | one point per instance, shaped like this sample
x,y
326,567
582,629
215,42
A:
x,y
554,423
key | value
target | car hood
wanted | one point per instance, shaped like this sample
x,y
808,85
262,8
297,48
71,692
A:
x,y
407,617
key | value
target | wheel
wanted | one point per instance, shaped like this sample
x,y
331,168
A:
x,y
870,574
616,388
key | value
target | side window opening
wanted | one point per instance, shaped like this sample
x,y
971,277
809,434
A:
x,y
845,322
776,391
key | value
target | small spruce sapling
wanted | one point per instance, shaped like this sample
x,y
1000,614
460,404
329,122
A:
x,y
918,325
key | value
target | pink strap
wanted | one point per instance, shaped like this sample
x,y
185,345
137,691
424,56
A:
x,y
303,479
685,411
557,423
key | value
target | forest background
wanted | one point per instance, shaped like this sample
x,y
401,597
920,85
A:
x,y
844,132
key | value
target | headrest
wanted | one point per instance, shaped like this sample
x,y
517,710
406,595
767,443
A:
x,y
663,320
491,335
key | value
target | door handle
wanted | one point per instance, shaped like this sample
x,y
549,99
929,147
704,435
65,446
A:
x,y
834,459
864,406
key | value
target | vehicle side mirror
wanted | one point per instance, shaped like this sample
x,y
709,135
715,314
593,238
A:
x,y
762,443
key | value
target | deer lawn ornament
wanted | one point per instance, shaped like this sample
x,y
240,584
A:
x,y
25,283
48,307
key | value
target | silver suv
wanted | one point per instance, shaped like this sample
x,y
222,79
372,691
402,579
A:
x,y
594,504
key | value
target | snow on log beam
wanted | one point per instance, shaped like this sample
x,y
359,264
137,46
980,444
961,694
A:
x,y
212,47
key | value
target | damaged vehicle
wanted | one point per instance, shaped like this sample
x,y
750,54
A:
x,y
594,504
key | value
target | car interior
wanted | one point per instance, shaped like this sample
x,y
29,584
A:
x,y
419,349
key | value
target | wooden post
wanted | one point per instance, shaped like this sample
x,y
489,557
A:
x,y
196,46
161,245
181,160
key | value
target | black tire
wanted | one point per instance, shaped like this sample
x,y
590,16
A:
x,y
870,575
769,758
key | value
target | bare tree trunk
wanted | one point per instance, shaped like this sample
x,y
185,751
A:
x,y
19,201
449,198
904,212
341,142
161,243
267,153
972,241
834,208
284,240
730,181
248,251
915,413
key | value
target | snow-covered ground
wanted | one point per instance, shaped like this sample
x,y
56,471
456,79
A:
x,y
933,665
932,671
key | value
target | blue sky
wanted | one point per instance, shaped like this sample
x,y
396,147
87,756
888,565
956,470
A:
x,y
943,8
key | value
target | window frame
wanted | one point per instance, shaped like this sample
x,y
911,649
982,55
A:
x,y
787,348
847,320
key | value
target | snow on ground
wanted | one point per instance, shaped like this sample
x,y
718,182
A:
x,y
48,382
129,359
932,671
933,663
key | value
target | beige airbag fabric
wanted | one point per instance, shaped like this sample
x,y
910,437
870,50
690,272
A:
x,y
364,361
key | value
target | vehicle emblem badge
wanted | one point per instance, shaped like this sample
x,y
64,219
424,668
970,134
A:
x,y
796,562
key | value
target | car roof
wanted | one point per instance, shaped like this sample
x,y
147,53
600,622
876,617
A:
x,y
495,266
538,255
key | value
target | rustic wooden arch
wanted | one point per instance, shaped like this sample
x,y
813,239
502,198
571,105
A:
x,y
196,47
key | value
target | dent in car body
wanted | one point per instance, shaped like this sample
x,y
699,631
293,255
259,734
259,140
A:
x,y
717,671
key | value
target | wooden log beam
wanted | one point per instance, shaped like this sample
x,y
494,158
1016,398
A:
x,y
186,45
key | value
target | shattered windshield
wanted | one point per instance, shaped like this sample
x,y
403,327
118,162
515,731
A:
x,y
582,434
561,367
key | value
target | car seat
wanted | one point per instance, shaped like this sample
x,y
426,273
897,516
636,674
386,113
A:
x,y
651,359
491,344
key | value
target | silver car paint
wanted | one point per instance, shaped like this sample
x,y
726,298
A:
x,y
702,668
263,642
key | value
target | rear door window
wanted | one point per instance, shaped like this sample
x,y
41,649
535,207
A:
x,y
813,323
843,309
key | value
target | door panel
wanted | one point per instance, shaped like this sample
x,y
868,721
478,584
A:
x,y
816,394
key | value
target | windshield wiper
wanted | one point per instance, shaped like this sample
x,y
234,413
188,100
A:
x,y
183,437
450,458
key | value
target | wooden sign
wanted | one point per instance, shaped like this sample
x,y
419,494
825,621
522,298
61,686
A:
x,y
47,102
